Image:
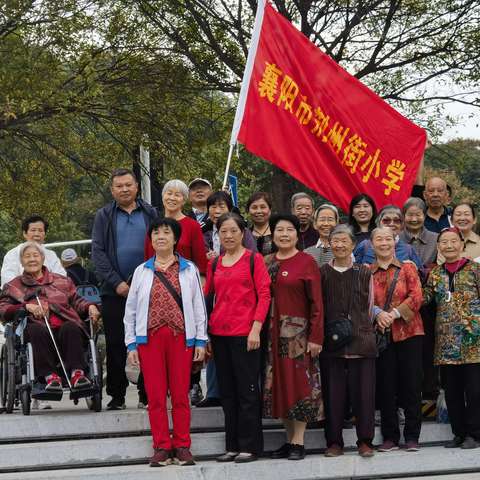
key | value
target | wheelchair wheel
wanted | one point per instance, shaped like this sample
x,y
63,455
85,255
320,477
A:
x,y
25,399
7,377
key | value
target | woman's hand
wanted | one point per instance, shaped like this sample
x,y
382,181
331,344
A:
x,y
384,320
133,358
253,340
93,313
36,310
199,354
211,254
314,349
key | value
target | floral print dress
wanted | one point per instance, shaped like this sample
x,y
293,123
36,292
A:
x,y
292,385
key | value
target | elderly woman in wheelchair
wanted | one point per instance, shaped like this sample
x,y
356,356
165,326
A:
x,y
54,324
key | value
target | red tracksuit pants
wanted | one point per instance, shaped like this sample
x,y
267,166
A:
x,y
166,363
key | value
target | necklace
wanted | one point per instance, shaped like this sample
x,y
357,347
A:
x,y
262,234
164,264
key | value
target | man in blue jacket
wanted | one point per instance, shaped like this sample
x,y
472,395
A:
x,y
118,237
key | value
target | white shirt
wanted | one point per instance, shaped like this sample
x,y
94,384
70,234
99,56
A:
x,y
11,266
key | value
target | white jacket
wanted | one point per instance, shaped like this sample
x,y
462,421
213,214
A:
x,y
11,266
138,302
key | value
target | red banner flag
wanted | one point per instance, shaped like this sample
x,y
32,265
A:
x,y
311,118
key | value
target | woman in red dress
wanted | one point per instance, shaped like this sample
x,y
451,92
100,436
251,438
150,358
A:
x,y
292,386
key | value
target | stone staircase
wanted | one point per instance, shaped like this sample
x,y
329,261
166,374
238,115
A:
x,y
74,442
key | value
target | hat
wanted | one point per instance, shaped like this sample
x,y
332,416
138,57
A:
x,y
199,180
132,372
69,255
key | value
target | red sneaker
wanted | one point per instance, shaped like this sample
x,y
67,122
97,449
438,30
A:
x,y
161,458
183,456
79,380
54,383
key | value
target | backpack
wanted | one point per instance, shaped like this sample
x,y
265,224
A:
x,y
86,290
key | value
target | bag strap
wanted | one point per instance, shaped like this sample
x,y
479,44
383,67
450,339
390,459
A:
x,y
391,289
76,277
356,273
170,288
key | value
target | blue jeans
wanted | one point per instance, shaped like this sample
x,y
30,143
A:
x,y
212,382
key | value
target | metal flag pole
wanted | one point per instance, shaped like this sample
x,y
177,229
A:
x,y
242,98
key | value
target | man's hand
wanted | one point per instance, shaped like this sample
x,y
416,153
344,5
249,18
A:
x,y
122,289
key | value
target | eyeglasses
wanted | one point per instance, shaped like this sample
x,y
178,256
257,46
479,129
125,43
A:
x,y
387,221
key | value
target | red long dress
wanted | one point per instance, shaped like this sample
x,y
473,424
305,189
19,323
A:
x,y
292,385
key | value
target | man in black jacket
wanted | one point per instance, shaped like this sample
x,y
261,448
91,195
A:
x,y
118,237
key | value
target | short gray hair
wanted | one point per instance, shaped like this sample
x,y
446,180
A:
x,y
327,206
31,244
298,196
378,230
343,228
414,202
176,185
388,209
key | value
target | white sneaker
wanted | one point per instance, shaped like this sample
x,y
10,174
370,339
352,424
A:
x,y
41,405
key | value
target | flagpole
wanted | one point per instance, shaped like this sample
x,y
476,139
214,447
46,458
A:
x,y
227,168
242,98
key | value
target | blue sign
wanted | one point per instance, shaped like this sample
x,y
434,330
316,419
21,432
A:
x,y
233,187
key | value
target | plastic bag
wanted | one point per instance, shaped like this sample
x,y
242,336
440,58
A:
x,y
442,412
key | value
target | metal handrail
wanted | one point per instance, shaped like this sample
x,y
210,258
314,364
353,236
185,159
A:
x,y
66,244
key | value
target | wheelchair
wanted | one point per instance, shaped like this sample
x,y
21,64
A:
x,y
18,384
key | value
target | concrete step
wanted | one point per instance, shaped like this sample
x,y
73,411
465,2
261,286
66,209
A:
x,y
81,423
432,461
135,449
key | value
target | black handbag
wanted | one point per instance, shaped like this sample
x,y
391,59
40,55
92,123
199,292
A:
x,y
339,332
383,339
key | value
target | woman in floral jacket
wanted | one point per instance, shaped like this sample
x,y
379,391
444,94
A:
x,y
455,289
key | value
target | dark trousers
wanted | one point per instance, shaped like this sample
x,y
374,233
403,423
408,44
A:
x,y
462,394
238,380
399,382
70,341
113,310
352,378
430,386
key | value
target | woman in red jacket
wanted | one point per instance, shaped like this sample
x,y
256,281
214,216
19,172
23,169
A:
x,y
191,245
398,298
241,285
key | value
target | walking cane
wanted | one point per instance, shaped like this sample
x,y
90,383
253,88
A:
x,y
53,339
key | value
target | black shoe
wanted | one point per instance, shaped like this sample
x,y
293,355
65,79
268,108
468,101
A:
x,y
116,404
227,457
297,452
469,443
245,457
455,443
209,402
282,452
